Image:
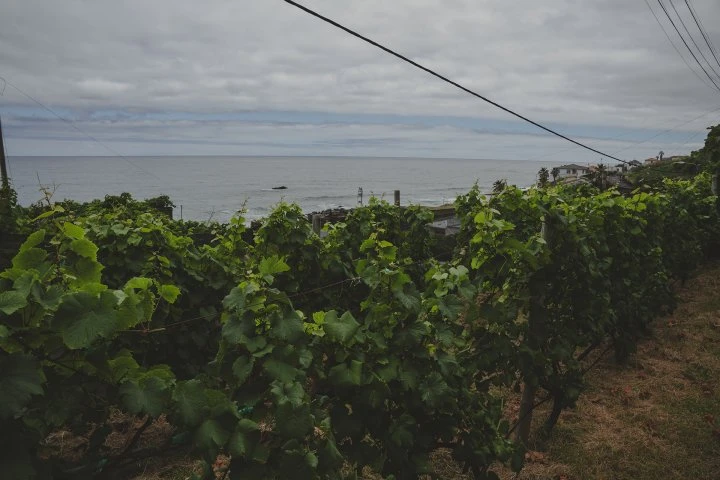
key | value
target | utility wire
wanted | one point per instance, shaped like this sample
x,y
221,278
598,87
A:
x,y
672,22
668,130
445,79
632,143
72,124
703,32
682,22
667,35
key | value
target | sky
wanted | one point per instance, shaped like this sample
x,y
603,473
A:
x,y
260,77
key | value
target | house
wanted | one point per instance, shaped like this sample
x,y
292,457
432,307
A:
x,y
652,160
572,170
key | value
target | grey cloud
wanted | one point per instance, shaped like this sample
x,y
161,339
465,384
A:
x,y
590,62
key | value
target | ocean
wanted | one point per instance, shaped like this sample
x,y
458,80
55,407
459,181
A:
x,y
215,187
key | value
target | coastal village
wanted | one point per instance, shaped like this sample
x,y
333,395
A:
x,y
601,175
576,174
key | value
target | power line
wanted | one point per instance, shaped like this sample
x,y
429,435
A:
x,y
668,130
667,35
72,124
703,32
445,79
682,22
633,143
686,44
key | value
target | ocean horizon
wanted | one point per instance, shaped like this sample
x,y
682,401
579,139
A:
x,y
216,187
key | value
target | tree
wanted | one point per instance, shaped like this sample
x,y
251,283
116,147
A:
x,y
543,177
661,155
599,177
555,172
499,186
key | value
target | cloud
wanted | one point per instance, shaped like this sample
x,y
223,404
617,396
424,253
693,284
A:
x,y
166,76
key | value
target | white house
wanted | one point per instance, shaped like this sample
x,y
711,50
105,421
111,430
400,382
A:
x,y
572,170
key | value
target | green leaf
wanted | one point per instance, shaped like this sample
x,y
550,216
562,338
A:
x,y
270,266
82,318
292,393
33,240
280,370
341,329
149,395
293,422
435,390
288,327
73,231
401,430
346,376
410,300
20,379
138,283
311,459
210,436
190,400
49,213
84,248
241,441
29,259
4,332
237,298
123,367
169,293
11,302
51,298
238,444
242,368
87,271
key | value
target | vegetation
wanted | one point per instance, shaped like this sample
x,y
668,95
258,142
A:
x,y
654,418
707,159
296,355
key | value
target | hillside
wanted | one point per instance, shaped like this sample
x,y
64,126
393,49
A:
x,y
657,417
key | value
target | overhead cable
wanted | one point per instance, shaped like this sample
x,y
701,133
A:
x,y
672,22
78,129
692,37
667,35
444,78
703,32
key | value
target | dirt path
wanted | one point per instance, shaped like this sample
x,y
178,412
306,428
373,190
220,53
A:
x,y
656,418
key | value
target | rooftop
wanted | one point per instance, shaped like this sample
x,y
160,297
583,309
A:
x,y
573,166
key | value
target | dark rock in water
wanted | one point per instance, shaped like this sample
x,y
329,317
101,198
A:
x,y
280,188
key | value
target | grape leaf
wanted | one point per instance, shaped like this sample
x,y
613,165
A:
x,y
190,400
82,318
341,329
169,293
21,378
11,302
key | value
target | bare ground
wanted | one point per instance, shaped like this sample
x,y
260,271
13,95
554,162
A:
x,y
656,418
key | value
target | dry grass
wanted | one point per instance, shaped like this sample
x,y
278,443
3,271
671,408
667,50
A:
x,y
656,418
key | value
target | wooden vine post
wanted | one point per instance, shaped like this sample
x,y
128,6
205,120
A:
x,y
536,321
317,223
3,167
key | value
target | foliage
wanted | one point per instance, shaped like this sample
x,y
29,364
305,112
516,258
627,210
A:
x,y
543,177
8,208
310,356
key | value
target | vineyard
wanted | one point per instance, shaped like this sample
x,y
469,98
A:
x,y
305,356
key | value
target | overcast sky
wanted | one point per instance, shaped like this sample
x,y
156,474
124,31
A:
x,y
260,77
